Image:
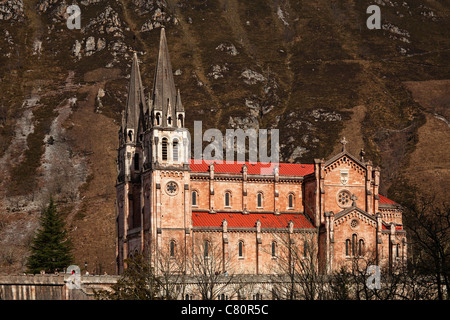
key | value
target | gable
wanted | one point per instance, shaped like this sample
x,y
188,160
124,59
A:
x,y
352,213
344,166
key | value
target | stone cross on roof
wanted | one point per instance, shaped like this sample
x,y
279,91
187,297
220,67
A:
x,y
343,142
354,198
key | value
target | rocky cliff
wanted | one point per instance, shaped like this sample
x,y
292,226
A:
x,y
310,68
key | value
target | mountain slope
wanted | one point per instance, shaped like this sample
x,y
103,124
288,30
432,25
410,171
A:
x,y
310,68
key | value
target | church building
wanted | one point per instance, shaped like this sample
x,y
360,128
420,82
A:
x,y
170,206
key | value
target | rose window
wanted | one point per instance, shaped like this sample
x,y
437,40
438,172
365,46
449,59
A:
x,y
171,188
344,199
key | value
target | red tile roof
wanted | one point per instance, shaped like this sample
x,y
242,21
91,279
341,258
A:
x,y
383,199
397,227
239,220
286,169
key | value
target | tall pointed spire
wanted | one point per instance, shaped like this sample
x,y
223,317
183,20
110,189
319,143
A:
x,y
179,105
164,94
136,106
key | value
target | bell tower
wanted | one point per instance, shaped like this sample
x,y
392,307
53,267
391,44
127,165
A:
x,y
166,176
129,165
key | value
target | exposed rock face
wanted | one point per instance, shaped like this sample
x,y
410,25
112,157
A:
x,y
229,48
11,10
107,21
218,71
252,77
160,16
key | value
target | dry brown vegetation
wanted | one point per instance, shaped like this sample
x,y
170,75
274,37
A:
x,y
326,75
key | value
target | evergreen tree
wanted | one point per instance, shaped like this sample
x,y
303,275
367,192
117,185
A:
x,y
50,248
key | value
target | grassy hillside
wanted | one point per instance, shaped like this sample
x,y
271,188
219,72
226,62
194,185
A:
x,y
309,68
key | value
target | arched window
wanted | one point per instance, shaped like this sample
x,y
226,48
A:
x,y
206,249
169,121
347,247
227,199
130,135
259,200
274,249
241,249
172,248
175,149
305,249
194,198
291,201
361,247
158,119
354,244
164,149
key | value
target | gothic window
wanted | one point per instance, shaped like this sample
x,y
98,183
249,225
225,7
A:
x,y
169,121
175,149
227,199
164,149
291,201
354,243
206,245
194,198
360,247
344,199
172,248
305,249
274,249
130,135
259,199
158,119
241,249
180,121
354,247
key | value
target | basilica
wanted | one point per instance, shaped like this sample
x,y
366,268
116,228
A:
x,y
171,207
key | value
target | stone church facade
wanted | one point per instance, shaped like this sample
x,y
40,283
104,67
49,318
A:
x,y
170,206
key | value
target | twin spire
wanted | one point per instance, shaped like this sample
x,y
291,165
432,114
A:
x,y
165,102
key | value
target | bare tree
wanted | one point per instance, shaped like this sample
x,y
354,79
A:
x,y
212,271
171,272
396,283
296,273
428,227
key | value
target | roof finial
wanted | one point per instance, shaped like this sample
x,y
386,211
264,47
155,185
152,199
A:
x,y
362,154
343,142
354,198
